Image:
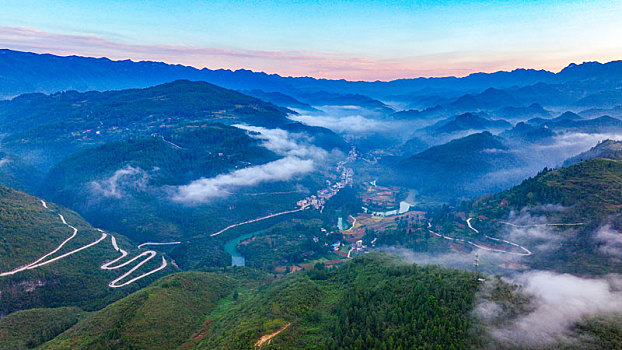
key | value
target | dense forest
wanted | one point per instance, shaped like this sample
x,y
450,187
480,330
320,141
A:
x,y
373,302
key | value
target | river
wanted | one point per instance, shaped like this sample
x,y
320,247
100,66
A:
x,y
230,247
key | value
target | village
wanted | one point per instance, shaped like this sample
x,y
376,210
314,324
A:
x,y
344,178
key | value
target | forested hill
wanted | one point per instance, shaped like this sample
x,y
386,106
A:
x,y
373,302
457,166
180,101
590,189
31,231
46,128
568,217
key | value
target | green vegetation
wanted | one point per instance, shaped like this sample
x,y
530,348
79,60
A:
x,y
201,151
288,243
60,124
373,302
29,231
30,328
161,316
12,171
455,167
115,158
609,149
140,207
600,333
589,192
591,188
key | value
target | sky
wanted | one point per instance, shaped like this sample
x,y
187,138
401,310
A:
x,y
354,40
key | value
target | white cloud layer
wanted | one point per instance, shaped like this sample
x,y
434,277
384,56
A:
x,y
611,241
122,180
569,144
351,124
559,302
206,189
283,143
299,158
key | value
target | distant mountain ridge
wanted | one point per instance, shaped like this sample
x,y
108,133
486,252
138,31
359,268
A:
x,y
468,121
22,72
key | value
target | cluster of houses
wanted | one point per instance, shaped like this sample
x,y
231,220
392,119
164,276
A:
x,y
346,178
357,248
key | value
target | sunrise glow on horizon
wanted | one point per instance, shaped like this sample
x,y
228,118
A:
x,y
362,40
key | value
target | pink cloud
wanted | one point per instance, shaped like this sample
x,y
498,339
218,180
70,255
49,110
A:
x,y
290,63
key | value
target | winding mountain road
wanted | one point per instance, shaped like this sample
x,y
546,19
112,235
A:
x,y
154,243
526,251
150,254
42,260
535,225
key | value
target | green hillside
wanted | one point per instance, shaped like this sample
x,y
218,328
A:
x,y
28,329
592,187
606,149
13,171
371,302
46,128
29,231
141,207
161,316
556,216
456,167
586,195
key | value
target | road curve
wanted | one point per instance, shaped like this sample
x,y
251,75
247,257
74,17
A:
x,y
526,251
42,260
535,225
154,243
149,254
255,220
353,223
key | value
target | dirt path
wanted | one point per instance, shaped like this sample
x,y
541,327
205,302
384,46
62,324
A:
x,y
268,337
353,223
